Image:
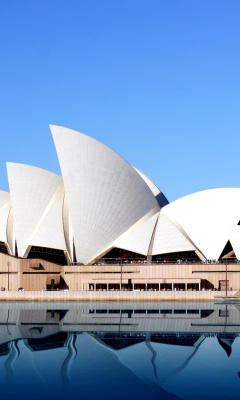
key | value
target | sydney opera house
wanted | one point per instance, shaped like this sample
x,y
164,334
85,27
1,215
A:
x,y
104,225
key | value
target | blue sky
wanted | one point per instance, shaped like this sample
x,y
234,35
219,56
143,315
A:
x,y
158,81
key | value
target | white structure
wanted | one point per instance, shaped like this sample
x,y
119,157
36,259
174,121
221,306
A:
x,y
5,207
209,219
168,238
106,195
37,204
102,203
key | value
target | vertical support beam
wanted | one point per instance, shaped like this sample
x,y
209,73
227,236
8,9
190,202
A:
x,y
133,286
8,263
146,286
199,286
121,277
185,287
94,287
149,259
172,286
226,279
107,287
159,287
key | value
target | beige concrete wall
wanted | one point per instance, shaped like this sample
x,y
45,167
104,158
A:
x,y
35,274
79,277
30,274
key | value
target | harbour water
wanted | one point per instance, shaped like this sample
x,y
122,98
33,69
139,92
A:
x,y
160,350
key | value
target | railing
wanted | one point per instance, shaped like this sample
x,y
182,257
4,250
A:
x,y
137,261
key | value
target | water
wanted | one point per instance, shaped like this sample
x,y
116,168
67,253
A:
x,y
165,350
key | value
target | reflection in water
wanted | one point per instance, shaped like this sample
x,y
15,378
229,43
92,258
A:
x,y
120,351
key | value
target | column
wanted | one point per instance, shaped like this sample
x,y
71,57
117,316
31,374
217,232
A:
x,y
149,259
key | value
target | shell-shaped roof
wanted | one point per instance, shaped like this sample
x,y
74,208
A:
x,y
168,238
101,202
138,238
161,199
106,195
209,219
5,206
37,197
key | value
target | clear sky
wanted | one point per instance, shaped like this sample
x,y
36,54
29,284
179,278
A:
x,y
158,81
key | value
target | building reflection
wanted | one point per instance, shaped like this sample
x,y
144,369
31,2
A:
x,y
126,349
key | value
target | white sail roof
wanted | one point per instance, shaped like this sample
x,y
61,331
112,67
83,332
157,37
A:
x,y
209,218
148,181
138,240
102,202
106,195
36,197
5,206
168,238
